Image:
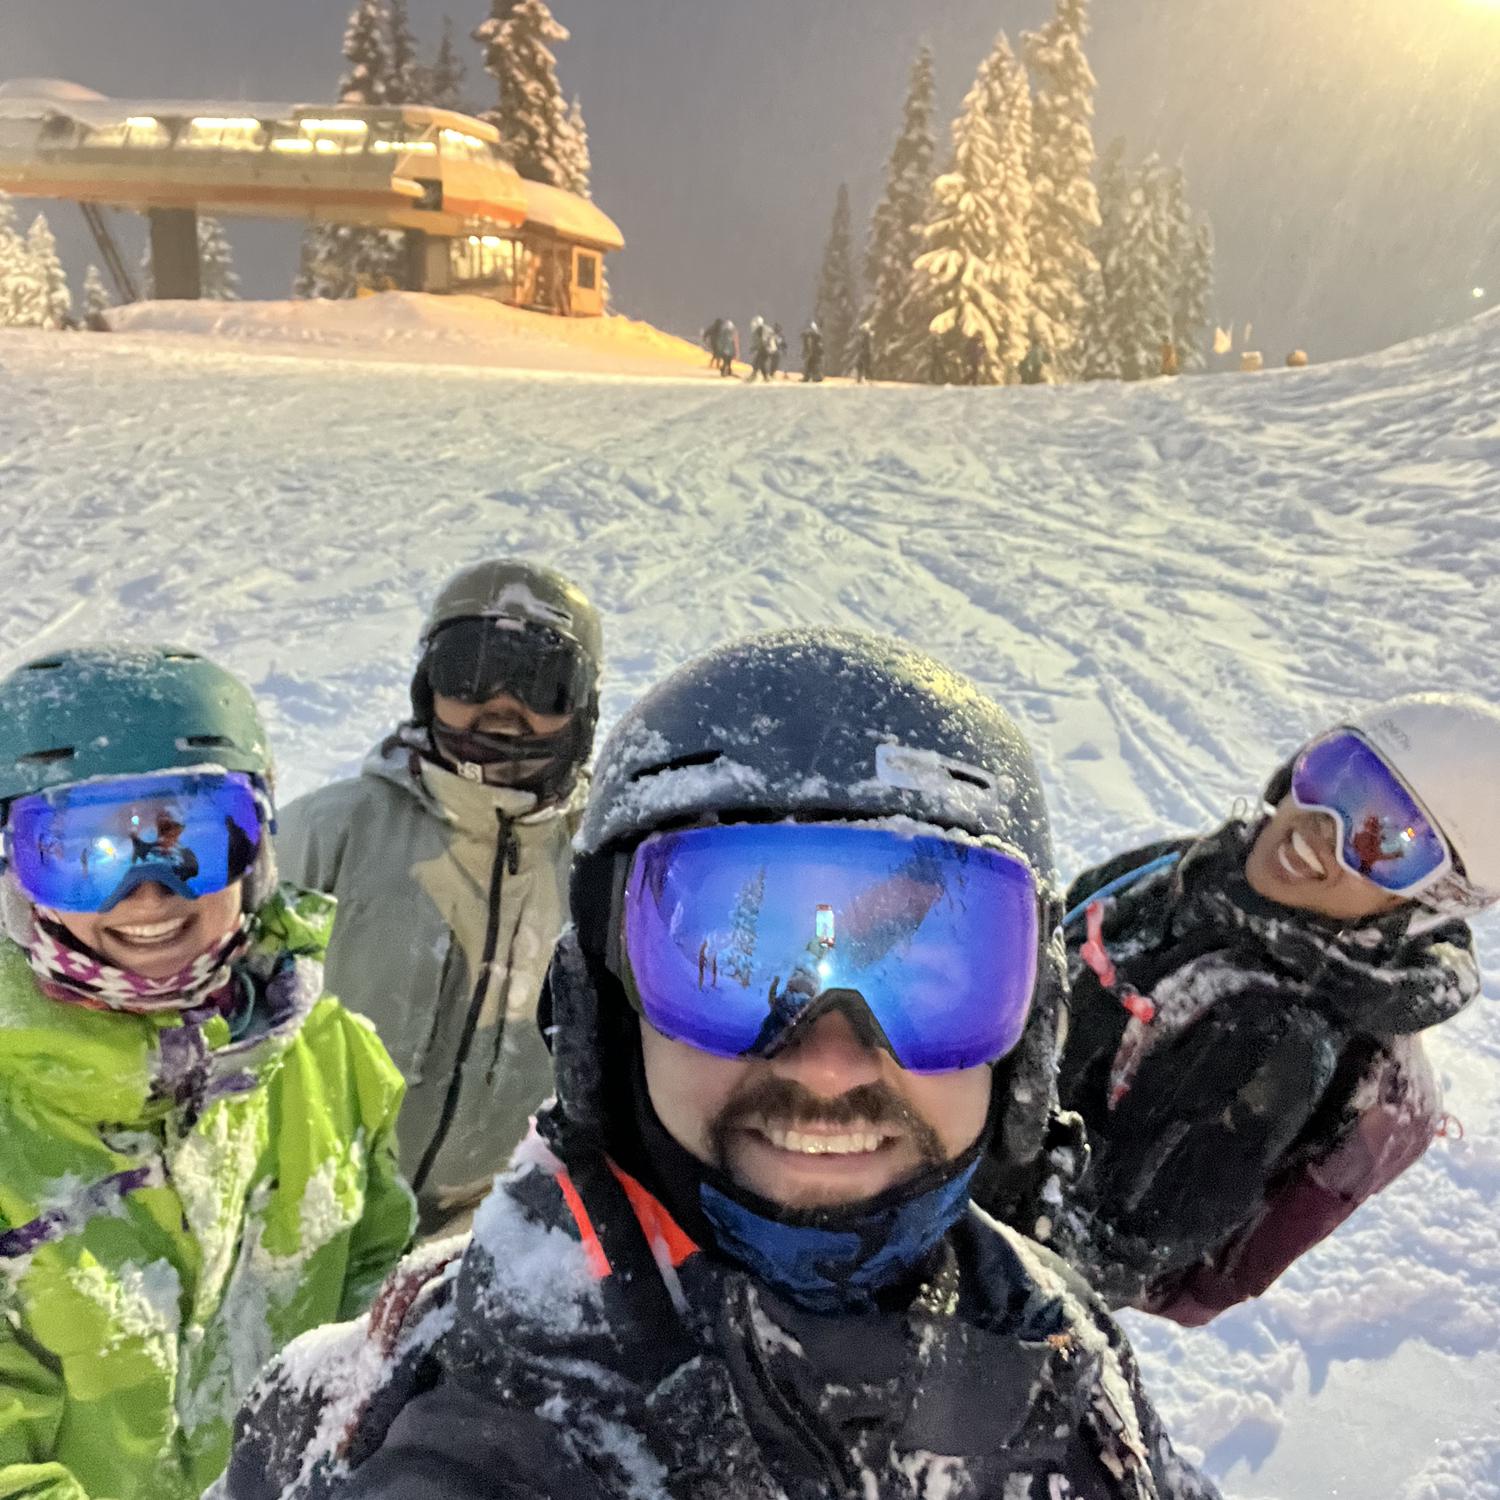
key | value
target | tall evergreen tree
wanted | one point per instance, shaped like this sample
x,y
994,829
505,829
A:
x,y
20,286
1138,276
221,282
1011,273
1099,360
96,297
836,307
52,302
895,239
577,165
1065,207
443,81
366,55
338,259
953,299
404,83
530,116
1191,275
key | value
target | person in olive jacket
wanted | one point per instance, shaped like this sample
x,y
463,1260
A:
x,y
448,854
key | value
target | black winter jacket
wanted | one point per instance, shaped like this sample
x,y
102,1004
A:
x,y
1266,1020
582,1349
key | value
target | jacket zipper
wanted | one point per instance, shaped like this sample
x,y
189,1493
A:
x,y
505,858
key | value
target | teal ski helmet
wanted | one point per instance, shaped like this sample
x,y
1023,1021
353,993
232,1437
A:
x,y
120,711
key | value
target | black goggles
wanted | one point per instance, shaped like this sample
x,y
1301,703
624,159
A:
x,y
477,659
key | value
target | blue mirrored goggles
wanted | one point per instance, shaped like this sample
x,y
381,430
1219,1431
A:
x,y
86,847
1385,835
735,934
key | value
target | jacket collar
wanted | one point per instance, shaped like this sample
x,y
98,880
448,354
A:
x,y
404,760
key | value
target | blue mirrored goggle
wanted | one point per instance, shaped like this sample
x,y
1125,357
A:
x,y
86,847
1384,833
734,934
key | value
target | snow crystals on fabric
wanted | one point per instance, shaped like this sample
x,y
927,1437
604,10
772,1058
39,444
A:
x,y
540,1272
140,1303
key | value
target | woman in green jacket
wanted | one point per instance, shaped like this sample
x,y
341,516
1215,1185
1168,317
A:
x,y
196,1145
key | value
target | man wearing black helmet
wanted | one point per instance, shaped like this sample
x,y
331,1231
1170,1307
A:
x,y
449,856
740,1259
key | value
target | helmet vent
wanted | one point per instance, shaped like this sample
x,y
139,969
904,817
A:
x,y
205,742
681,763
970,778
46,757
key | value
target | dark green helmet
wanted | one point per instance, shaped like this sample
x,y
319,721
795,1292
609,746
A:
x,y
120,711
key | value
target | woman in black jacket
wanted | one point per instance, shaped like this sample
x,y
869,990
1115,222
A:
x,y
1246,1008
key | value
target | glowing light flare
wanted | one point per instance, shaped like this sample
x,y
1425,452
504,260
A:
x,y
295,143
141,122
334,127
1479,293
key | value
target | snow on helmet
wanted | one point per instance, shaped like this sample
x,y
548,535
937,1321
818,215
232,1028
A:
x,y
508,589
815,724
1446,748
116,711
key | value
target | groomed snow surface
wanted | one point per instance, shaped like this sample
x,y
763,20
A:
x,y
1170,585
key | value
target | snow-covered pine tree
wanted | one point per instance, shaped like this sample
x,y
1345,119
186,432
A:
x,y
96,298
575,161
52,302
895,239
530,115
953,297
221,282
404,83
19,289
367,55
1191,275
338,259
1138,277
443,81
1010,268
836,306
1065,205
1099,360
744,923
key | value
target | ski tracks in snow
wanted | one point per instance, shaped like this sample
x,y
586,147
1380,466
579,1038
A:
x,y
1169,585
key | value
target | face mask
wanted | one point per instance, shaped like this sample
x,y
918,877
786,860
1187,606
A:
x,y
543,764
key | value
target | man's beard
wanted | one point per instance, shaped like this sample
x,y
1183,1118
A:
x,y
787,1102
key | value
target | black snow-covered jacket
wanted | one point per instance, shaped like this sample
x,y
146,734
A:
x,y
581,1346
1267,1022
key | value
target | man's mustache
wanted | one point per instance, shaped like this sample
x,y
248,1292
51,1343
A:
x,y
786,1101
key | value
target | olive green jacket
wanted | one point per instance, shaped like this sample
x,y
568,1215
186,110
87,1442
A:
x,y
451,896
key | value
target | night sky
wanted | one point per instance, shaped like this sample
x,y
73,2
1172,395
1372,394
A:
x,y
1346,150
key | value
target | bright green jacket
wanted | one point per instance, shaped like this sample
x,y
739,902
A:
x,y
175,1206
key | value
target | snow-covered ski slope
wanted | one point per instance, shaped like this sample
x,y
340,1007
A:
x,y
1170,585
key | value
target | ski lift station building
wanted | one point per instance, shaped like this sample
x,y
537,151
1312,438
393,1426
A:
x,y
471,223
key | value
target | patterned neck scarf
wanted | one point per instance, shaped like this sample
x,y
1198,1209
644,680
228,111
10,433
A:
x,y
68,971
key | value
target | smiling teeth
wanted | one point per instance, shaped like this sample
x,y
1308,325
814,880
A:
x,y
151,932
855,1143
1307,853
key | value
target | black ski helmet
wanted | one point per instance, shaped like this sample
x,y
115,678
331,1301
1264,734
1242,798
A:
x,y
813,724
542,603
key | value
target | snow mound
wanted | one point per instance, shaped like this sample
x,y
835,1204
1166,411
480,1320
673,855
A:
x,y
412,327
